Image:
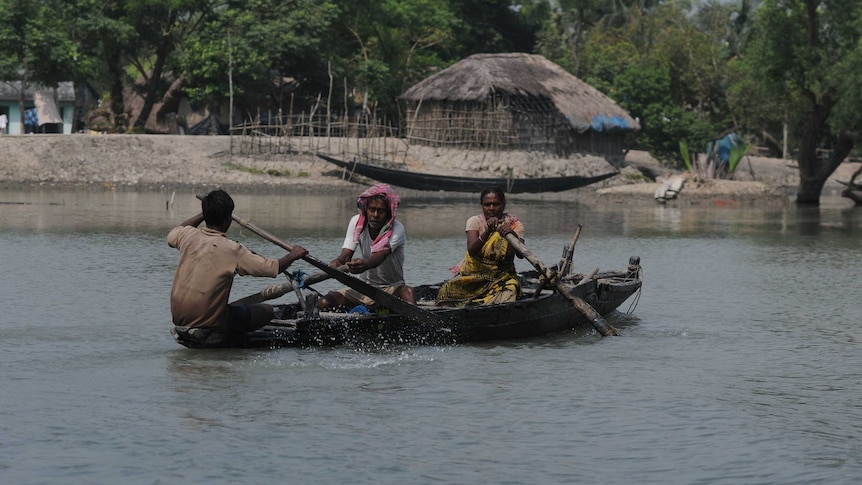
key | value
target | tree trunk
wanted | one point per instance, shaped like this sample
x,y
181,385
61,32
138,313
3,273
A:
x,y
25,83
810,179
21,109
118,107
576,43
809,189
155,78
813,170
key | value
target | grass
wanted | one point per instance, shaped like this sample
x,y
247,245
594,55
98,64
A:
x,y
637,177
271,171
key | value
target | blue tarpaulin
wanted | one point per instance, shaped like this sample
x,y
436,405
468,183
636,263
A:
x,y
607,123
31,118
722,147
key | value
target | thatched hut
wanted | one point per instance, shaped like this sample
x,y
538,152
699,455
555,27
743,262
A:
x,y
515,101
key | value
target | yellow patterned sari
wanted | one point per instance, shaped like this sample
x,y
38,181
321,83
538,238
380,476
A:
x,y
486,280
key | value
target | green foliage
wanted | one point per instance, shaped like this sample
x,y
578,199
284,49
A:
x,y
737,153
806,73
550,43
805,54
686,74
645,90
496,26
35,45
607,55
637,177
392,44
655,63
686,154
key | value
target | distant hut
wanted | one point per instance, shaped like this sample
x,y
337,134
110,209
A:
x,y
515,101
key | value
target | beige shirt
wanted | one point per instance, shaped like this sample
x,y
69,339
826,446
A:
x,y
204,277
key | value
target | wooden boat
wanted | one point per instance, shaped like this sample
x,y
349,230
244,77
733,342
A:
x,y
426,181
534,315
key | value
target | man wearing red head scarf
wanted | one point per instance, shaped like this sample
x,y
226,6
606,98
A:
x,y
373,248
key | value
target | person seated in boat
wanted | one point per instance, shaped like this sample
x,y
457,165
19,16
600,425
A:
x,y
487,274
374,249
208,262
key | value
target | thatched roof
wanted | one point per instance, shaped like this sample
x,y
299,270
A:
x,y
9,91
483,75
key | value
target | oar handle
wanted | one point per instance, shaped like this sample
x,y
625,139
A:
x,y
516,243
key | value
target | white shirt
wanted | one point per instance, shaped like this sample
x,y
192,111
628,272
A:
x,y
391,270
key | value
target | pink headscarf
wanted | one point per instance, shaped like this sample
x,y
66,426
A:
x,y
386,193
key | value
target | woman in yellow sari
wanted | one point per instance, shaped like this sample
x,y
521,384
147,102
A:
x,y
487,274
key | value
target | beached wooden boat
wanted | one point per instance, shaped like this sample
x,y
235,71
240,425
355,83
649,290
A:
x,y
534,315
426,181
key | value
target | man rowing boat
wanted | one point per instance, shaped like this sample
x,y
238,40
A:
x,y
209,260
373,248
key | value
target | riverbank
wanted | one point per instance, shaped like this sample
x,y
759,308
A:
x,y
165,163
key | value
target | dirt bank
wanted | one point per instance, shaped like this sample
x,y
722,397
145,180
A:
x,y
150,162
162,162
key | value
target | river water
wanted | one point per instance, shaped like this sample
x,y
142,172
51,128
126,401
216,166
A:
x,y
741,362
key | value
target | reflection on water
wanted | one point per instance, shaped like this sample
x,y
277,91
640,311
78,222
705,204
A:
x,y
741,359
424,215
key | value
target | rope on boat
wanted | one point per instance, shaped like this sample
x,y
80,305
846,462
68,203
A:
x,y
298,277
634,302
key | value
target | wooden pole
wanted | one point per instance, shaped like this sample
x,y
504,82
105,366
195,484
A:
x,y
567,261
598,322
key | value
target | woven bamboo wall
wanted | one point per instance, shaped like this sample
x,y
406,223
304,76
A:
x,y
505,123
496,125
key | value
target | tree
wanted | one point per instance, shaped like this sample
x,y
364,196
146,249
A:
x,y
34,45
571,20
645,90
664,71
391,44
139,39
487,26
269,39
162,26
731,23
806,50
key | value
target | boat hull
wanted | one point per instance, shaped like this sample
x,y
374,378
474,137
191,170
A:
x,y
430,182
528,317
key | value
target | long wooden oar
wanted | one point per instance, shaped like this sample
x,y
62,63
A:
x,y
599,323
385,299
274,291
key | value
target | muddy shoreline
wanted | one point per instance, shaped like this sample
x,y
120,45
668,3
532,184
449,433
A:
x,y
164,163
